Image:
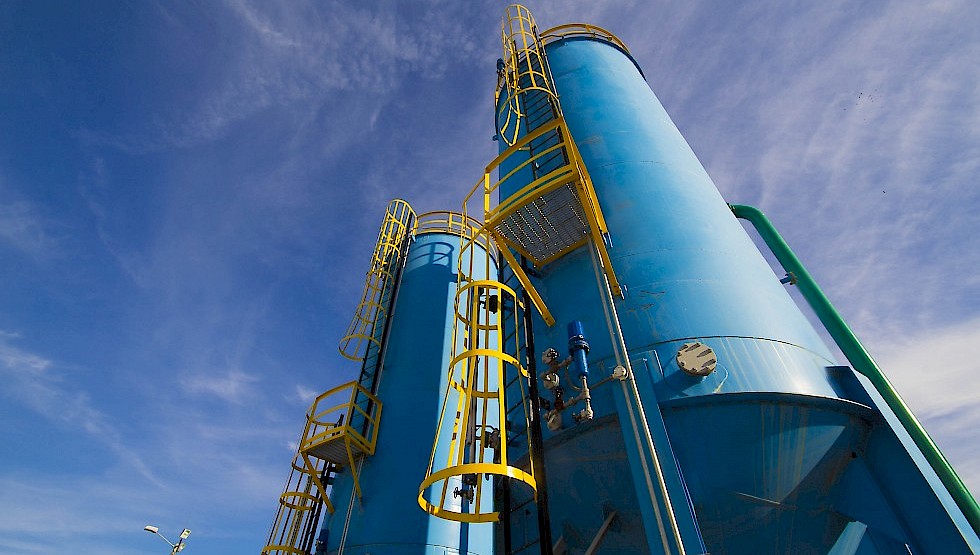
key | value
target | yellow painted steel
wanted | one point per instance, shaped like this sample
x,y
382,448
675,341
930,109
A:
x,y
525,69
454,223
519,223
360,333
470,446
297,514
341,433
525,281
338,432
580,30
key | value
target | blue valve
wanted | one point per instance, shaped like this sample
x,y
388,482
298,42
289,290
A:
x,y
578,347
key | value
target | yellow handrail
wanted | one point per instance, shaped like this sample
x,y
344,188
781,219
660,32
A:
x,y
581,30
507,219
332,428
453,223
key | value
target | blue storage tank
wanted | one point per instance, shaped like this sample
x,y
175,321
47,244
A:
x,y
764,443
714,419
411,384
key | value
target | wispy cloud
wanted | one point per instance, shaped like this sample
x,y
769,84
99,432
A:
x,y
234,386
23,228
38,383
182,457
304,395
839,123
285,55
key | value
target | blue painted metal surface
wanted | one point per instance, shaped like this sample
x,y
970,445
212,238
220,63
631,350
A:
x,y
778,449
389,520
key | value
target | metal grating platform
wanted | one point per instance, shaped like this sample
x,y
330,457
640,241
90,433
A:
x,y
547,226
333,449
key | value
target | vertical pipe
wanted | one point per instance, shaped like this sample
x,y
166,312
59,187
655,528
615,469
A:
x,y
506,502
535,443
621,354
859,357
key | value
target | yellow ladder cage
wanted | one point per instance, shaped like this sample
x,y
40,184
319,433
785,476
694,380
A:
x,y
361,334
471,443
299,509
551,208
524,69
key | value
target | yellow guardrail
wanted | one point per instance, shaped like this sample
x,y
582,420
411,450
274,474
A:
x,y
341,427
343,431
569,171
453,223
581,30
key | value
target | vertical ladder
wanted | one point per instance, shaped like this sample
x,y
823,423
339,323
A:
x,y
522,70
373,364
361,332
327,447
531,99
471,444
365,337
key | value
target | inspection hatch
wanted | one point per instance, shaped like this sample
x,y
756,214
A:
x,y
697,359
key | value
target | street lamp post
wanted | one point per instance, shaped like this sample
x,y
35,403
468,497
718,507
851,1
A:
x,y
177,547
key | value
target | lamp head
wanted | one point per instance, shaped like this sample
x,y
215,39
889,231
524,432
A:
x,y
184,534
151,529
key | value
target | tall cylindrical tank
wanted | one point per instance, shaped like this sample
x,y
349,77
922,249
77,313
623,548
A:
x,y
416,354
772,443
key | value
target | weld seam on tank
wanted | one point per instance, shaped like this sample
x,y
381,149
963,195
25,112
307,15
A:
x,y
654,345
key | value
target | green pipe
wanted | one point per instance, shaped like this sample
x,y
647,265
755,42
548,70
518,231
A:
x,y
860,359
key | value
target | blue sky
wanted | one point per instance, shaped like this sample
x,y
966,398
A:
x,y
189,193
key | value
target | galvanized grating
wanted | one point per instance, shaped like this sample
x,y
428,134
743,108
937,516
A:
x,y
334,451
547,226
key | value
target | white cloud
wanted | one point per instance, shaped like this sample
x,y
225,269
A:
x,y
304,395
937,373
234,386
23,228
297,57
